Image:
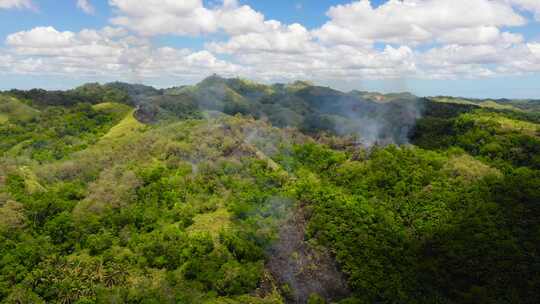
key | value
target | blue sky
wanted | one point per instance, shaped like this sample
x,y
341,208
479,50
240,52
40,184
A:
x,y
473,48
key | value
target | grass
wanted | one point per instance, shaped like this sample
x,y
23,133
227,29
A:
x,y
116,109
469,168
18,148
126,126
12,108
298,85
212,222
256,86
494,105
387,98
518,125
512,125
490,104
30,180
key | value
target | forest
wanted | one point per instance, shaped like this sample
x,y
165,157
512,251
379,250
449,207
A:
x,y
231,191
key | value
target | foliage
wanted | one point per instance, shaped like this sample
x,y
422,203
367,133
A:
x,y
98,206
498,138
56,132
144,228
406,230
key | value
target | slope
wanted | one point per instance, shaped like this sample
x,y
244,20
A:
x,y
13,109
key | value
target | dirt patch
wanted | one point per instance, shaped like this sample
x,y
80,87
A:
x,y
300,269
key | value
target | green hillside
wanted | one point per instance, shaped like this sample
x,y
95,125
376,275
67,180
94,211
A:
x,y
127,125
230,191
501,104
13,109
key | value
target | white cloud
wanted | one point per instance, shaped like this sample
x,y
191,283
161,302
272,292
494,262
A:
x,y
479,35
415,21
534,48
6,61
454,54
471,61
274,37
155,17
189,17
109,52
40,37
86,7
18,4
433,39
237,20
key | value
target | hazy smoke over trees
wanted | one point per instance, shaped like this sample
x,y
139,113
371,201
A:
x,y
371,118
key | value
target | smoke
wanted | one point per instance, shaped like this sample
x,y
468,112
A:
x,y
388,124
371,118
374,119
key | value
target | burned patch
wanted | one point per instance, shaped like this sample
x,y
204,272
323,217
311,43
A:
x,y
302,269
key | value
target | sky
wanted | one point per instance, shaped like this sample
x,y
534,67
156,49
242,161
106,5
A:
x,y
469,48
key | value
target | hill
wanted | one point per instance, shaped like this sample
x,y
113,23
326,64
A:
x,y
13,109
502,104
230,191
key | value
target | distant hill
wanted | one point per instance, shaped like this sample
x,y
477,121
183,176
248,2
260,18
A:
x,y
301,105
371,117
530,105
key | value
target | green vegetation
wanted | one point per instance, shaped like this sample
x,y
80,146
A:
x,y
117,110
500,104
405,229
127,125
494,137
236,192
55,132
14,110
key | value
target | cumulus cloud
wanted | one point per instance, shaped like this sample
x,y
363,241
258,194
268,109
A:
x,y
474,61
416,21
17,4
479,35
463,44
154,17
190,17
40,37
434,39
275,37
47,41
86,7
109,51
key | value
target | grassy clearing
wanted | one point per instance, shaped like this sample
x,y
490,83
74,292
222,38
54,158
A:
x,y
11,108
489,104
117,109
212,222
512,125
126,126
452,100
30,180
494,105
469,168
518,125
